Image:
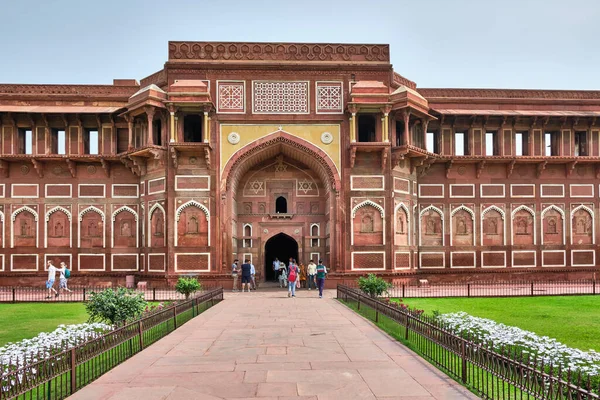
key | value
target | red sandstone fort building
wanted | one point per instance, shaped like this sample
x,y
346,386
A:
x,y
263,150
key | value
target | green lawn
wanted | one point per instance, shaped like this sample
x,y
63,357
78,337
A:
x,y
572,320
24,321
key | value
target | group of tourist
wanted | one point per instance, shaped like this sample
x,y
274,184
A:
x,y
65,273
292,276
248,273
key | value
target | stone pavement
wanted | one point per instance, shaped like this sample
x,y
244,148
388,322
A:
x,y
265,345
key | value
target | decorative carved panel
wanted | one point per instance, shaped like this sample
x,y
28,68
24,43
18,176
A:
x,y
280,97
552,227
25,230
91,230
125,229
462,228
157,228
492,226
402,227
431,228
582,226
192,227
368,226
523,226
58,229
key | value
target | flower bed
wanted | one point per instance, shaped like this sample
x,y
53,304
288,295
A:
x,y
65,337
510,338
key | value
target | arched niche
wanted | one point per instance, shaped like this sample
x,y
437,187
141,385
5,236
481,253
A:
x,y
493,228
582,226
157,224
192,225
463,227
91,228
368,224
553,225
58,227
523,226
431,227
401,225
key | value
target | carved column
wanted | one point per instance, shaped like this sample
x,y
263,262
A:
x,y
150,114
386,124
129,120
425,122
172,112
406,117
353,109
206,127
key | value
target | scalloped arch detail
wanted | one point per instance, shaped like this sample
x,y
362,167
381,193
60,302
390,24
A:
x,y
367,203
191,203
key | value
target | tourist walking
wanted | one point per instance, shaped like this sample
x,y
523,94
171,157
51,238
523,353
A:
x,y
292,277
302,275
276,266
253,276
246,275
321,274
311,270
65,274
282,275
51,278
234,274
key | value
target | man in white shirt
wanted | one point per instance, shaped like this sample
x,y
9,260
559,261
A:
x,y
311,271
51,278
253,276
276,266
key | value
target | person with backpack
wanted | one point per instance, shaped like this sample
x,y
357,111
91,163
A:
x,y
293,276
246,275
321,274
65,274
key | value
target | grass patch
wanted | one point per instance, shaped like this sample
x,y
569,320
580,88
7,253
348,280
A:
x,y
572,320
24,321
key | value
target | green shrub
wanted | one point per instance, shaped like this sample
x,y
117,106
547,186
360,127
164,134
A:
x,y
187,286
373,285
115,306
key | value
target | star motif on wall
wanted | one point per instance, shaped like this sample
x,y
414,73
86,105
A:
x,y
305,186
256,186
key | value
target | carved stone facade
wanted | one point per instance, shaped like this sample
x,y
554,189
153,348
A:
x,y
321,151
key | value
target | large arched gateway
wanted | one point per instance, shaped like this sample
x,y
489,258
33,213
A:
x,y
280,202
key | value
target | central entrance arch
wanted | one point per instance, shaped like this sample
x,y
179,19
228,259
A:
x,y
280,246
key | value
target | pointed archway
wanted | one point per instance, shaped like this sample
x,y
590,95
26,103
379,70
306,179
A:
x,y
281,148
282,247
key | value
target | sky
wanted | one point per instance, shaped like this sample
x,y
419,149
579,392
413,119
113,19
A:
x,y
523,44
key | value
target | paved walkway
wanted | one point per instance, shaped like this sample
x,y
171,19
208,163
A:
x,y
265,345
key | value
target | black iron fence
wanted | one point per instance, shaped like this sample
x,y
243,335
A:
x,y
65,371
491,373
82,293
494,289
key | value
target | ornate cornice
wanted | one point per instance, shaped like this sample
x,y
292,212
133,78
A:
x,y
68,91
257,52
432,94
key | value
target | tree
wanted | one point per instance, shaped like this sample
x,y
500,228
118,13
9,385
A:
x,y
373,285
187,286
115,306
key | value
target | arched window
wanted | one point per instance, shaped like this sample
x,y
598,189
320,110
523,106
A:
x,y
314,231
247,235
281,205
366,128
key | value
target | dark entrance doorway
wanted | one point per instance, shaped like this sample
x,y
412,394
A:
x,y
280,246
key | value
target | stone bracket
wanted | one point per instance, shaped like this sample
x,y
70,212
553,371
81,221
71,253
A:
x,y
207,156
384,156
175,157
352,156
510,168
3,169
38,166
105,167
480,166
449,168
130,165
570,167
72,167
541,167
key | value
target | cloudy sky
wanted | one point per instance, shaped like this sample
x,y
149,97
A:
x,y
545,44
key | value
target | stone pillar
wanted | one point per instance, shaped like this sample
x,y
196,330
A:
x,y
353,128
129,119
406,116
150,114
172,113
206,127
425,122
